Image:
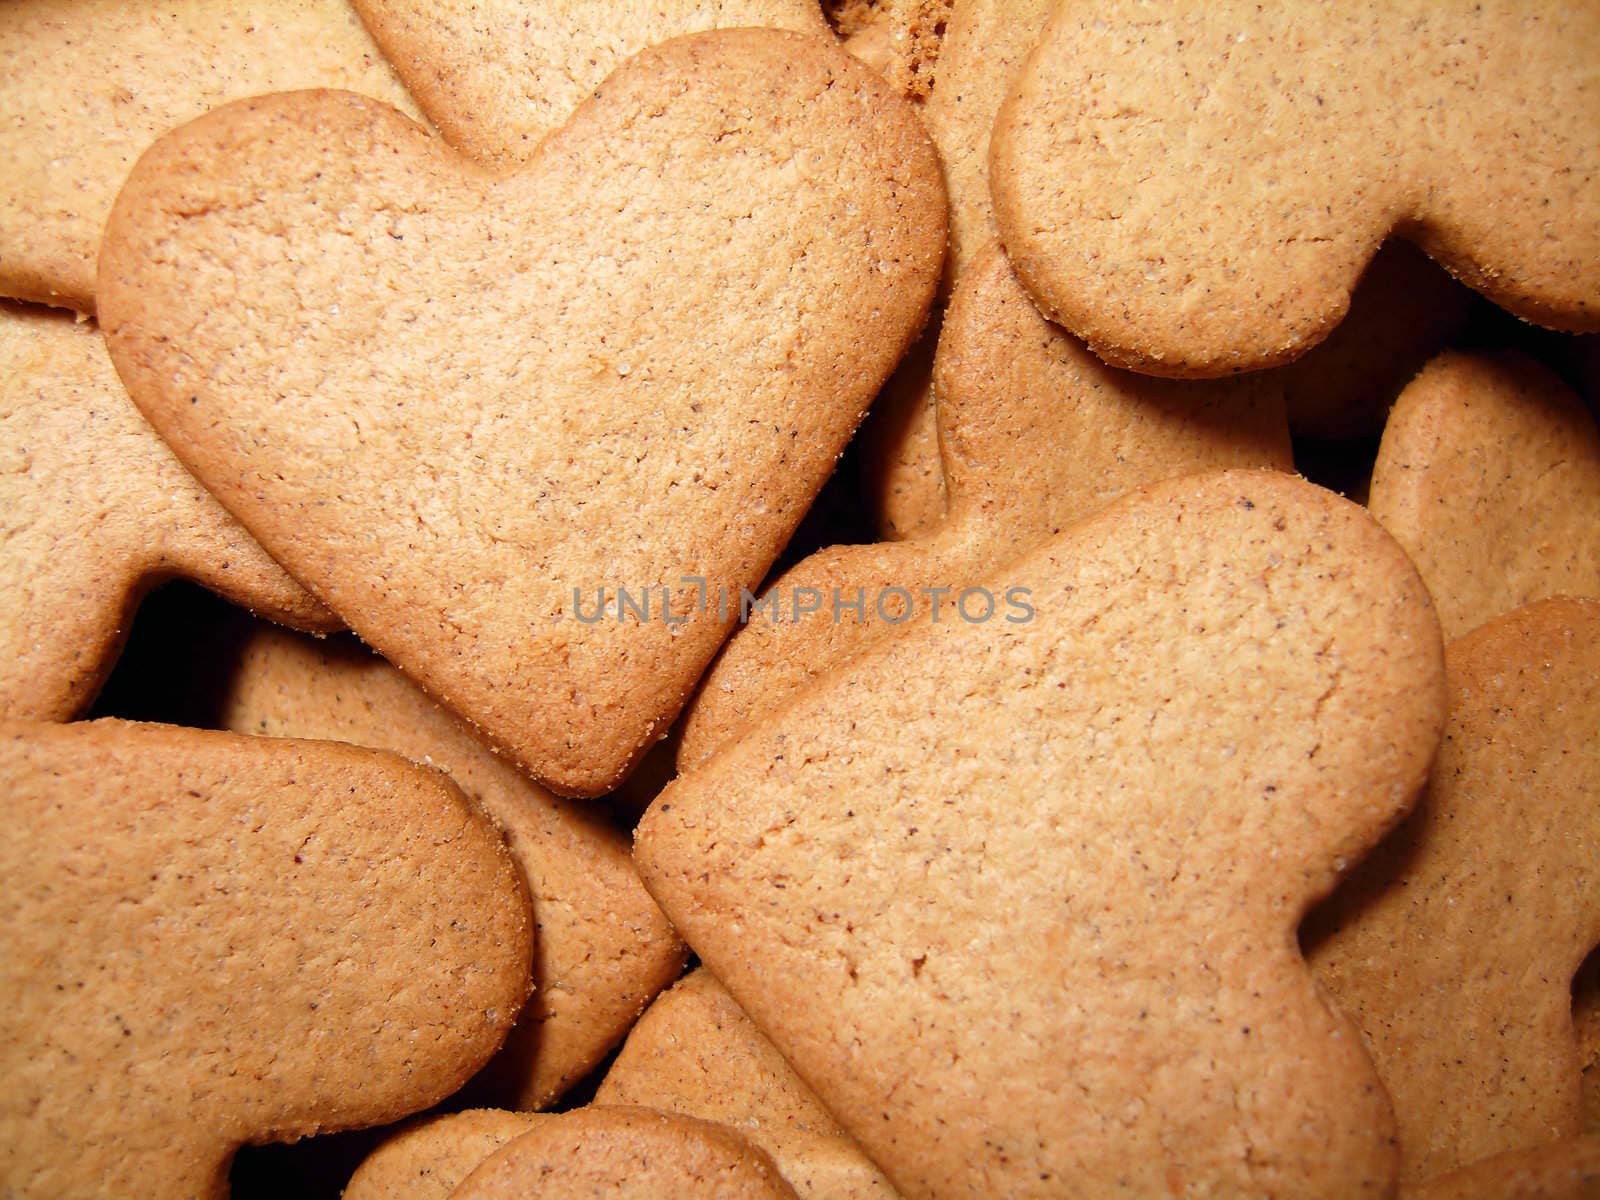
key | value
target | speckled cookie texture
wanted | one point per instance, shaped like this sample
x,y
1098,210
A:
x,y
1565,1170
94,511
458,406
1454,946
902,39
632,1153
208,940
695,1052
1194,190
91,83
496,76
428,1159
984,43
603,949
1019,899
1489,475
1035,433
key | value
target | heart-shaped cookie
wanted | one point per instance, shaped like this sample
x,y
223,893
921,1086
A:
x,y
1195,189
208,940
468,410
1018,899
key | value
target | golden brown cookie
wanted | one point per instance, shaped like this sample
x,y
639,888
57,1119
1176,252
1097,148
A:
x,y
695,1052
902,484
603,948
94,511
1454,946
496,76
983,44
1489,475
1194,190
427,1159
208,940
629,1153
1568,1170
1018,899
899,38
1035,434
90,83
628,366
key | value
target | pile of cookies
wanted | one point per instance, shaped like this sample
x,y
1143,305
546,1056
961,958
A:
x,y
769,627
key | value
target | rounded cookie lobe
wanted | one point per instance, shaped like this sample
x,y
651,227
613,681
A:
x,y
633,1153
1489,475
1195,191
628,366
91,83
428,1158
95,511
695,1052
496,76
603,948
1018,899
1453,947
211,940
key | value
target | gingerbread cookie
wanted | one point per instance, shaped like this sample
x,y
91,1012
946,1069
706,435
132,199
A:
x,y
1194,191
210,940
91,83
695,1052
497,76
1454,946
983,44
627,367
1018,898
901,39
94,511
1568,1170
603,948
1489,475
1035,434
427,1159
902,484
633,1152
